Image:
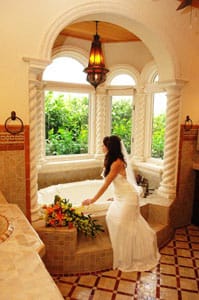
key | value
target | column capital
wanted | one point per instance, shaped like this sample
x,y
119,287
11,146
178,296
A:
x,y
167,86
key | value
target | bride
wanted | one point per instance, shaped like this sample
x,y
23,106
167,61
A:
x,y
133,241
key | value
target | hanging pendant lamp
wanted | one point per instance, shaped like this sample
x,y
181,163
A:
x,y
96,71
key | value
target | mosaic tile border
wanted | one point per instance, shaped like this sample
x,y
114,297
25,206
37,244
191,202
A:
x,y
11,141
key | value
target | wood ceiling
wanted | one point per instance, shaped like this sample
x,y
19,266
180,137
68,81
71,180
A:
x,y
109,33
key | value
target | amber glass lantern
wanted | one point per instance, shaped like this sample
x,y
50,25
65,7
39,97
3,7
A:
x,y
96,71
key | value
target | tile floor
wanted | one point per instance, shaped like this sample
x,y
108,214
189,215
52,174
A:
x,y
175,277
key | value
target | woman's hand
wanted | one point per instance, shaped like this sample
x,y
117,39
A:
x,y
87,201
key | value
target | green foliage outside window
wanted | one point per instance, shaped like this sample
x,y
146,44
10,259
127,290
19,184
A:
x,y
157,147
66,122
122,119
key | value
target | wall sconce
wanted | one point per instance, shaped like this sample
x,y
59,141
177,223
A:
x,y
188,123
96,71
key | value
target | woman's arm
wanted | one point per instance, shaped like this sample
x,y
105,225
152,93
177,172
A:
x,y
115,169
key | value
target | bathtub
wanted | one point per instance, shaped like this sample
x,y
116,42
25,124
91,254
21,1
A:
x,y
76,192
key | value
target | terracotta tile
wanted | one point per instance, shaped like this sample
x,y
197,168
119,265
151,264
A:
x,y
106,283
81,293
180,244
123,297
188,284
167,250
168,269
194,239
182,238
64,289
129,275
196,254
168,294
126,287
167,259
169,281
183,252
186,272
88,280
187,262
195,246
99,295
197,263
189,296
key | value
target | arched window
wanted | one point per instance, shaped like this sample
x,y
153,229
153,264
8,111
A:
x,y
65,69
66,108
123,79
122,107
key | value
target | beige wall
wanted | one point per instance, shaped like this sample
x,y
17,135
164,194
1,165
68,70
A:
x,y
29,29
25,27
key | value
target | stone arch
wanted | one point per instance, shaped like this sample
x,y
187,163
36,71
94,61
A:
x,y
148,71
75,52
122,15
131,18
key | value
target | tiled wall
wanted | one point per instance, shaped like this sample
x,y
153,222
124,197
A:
x,y
14,162
182,208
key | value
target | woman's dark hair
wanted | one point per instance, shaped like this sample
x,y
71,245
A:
x,y
113,146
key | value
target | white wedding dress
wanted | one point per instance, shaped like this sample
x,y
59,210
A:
x,y
133,241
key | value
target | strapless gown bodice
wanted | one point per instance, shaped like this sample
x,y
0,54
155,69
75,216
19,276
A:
x,y
124,191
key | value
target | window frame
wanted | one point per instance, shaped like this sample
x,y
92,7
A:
x,y
110,90
153,86
74,88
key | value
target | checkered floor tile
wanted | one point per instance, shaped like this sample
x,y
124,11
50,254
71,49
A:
x,y
175,277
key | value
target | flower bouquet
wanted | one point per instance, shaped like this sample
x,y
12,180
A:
x,y
61,213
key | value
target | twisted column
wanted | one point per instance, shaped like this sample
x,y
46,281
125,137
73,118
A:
x,y
101,100
33,149
36,68
139,126
40,135
168,184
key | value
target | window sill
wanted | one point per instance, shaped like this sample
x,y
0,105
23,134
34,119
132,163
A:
x,y
157,169
54,166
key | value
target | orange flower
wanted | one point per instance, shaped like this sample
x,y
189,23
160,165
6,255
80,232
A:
x,y
50,210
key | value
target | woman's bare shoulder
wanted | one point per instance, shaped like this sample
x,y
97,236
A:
x,y
118,163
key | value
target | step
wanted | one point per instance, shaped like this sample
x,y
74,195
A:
x,y
69,252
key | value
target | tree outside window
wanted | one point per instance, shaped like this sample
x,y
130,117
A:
x,y
66,113
66,123
158,125
121,114
121,124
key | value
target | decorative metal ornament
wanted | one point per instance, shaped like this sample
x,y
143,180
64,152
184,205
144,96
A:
x,y
96,71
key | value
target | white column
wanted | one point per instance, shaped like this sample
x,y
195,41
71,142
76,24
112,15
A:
x,y
139,126
101,104
168,184
35,70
